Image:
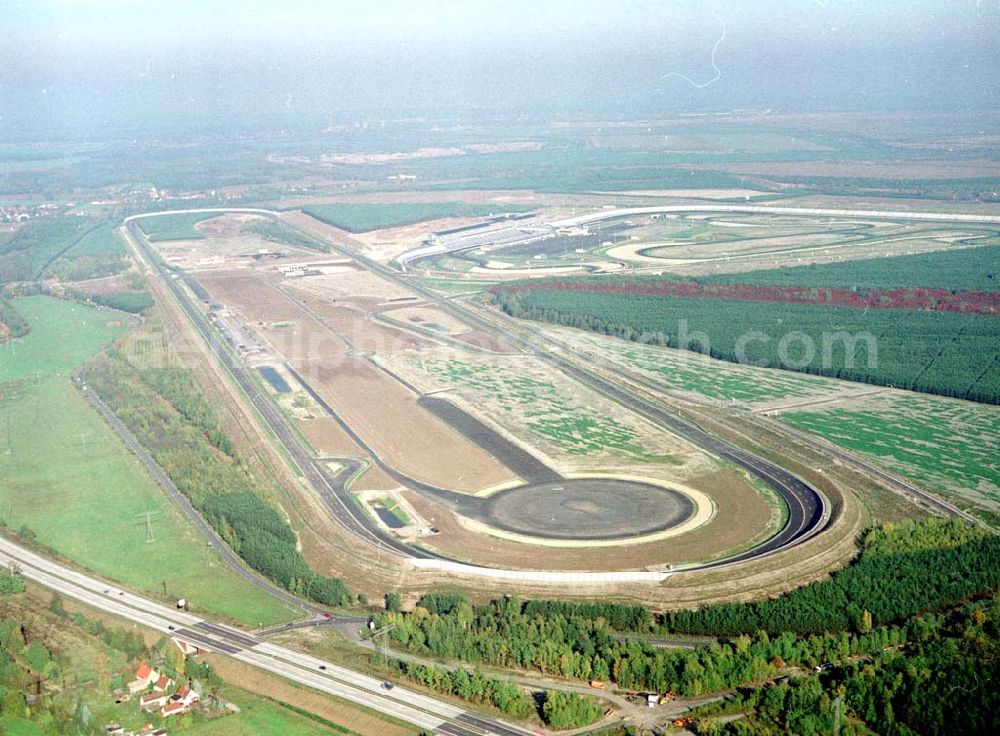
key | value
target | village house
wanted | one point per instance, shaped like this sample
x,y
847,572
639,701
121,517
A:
x,y
180,702
144,677
152,701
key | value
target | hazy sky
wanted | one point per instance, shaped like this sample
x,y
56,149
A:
x,y
103,60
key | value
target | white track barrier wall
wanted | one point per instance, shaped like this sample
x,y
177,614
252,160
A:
x,y
759,210
542,576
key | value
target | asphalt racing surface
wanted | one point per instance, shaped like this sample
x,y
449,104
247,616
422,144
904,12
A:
x,y
549,506
807,510
587,509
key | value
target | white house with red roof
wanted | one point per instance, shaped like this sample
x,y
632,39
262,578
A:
x,y
144,677
180,702
152,701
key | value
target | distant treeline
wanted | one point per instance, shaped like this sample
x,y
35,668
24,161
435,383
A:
x,y
935,352
135,302
967,189
964,269
26,253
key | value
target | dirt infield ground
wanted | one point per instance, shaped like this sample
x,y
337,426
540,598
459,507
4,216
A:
x,y
225,226
407,437
350,319
743,514
428,318
378,408
347,283
569,426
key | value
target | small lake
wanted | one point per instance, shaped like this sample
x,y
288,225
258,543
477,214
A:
x,y
390,519
275,379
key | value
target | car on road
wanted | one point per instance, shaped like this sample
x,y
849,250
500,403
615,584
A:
x,y
386,686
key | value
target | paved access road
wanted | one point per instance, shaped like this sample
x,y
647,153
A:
x,y
331,488
415,708
808,509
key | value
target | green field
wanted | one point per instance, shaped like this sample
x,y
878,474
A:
x,y
946,445
965,269
362,217
457,286
98,253
546,410
104,239
389,504
684,371
20,727
259,717
69,479
62,336
934,352
175,227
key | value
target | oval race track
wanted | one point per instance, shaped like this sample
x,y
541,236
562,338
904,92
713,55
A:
x,y
807,508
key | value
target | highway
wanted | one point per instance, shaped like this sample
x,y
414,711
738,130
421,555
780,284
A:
x,y
418,709
808,513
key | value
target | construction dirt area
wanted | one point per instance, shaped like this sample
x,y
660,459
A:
x,y
381,410
567,425
367,349
498,457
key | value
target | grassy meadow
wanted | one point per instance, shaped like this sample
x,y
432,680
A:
x,y
69,479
